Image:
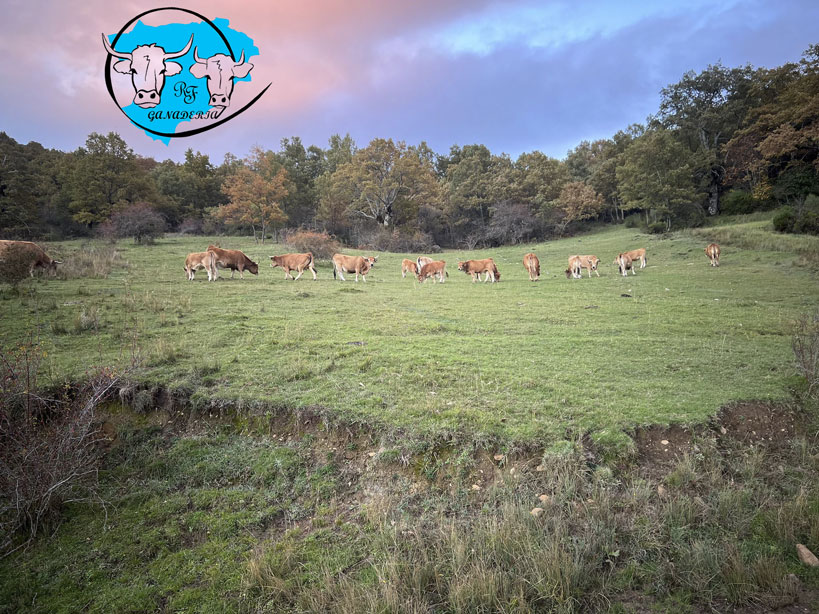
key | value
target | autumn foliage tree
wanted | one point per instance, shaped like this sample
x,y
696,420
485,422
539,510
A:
x,y
576,202
255,192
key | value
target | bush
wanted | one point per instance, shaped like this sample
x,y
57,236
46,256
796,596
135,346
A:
x,y
402,241
191,226
140,221
633,221
48,448
322,245
789,220
738,202
15,264
784,220
656,228
805,345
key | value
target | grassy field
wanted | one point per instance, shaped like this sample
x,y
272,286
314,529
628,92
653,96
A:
x,y
516,361
253,511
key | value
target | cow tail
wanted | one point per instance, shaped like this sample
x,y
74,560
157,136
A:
x,y
310,264
334,269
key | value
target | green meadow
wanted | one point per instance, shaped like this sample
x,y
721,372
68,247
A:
x,y
513,362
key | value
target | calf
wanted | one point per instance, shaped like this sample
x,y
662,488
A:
x,y
360,265
578,263
624,263
234,260
201,260
713,251
434,269
294,262
408,266
532,266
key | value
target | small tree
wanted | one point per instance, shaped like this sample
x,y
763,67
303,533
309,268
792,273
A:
x,y
140,221
49,448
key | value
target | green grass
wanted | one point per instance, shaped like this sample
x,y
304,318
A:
x,y
516,361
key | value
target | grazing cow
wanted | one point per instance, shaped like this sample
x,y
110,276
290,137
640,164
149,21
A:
x,y
201,260
713,251
624,263
532,266
422,260
477,267
360,265
27,254
408,266
148,66
234,260
578,263
434,269
637,254
294,262
219,70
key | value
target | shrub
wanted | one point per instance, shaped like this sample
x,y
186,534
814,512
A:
x,y
15,264
738,202
140,221
633,221
784,220
191,226
322,245
48,448
402,241
656,228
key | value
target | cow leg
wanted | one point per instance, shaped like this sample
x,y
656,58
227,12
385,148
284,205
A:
x,y
340,274
313,271
299,275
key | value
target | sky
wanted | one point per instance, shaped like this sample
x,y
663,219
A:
x,y
516,76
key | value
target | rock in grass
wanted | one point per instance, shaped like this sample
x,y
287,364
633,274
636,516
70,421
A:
x,y
536,511
806,556
498,457
476,487
544,498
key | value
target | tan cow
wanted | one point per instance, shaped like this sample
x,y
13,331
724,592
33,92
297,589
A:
x,y
294,262
578,263
638,254
27,254
201,260
360,265
408,266
422,260
624,263
532,266
234,260
434,269
713,251
477,267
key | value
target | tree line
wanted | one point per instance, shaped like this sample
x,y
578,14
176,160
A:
x,y
725,140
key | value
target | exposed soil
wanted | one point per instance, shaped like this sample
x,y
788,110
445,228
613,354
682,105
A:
x,y
758,423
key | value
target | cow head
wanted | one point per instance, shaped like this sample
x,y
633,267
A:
x,y
253,267
462,267
370,260
219,70
148,66
274,261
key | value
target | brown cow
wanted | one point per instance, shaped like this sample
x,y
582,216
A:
x,y
294,262
637,254
532,266
713,251
624,263
408,266
360,265
26,254
477,267
234,260
578,263
201,260
434,269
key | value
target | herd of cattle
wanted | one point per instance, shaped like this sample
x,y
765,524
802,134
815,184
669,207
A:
x,y
423,268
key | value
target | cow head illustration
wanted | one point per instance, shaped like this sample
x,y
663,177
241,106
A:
x,y
148,66
219,70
